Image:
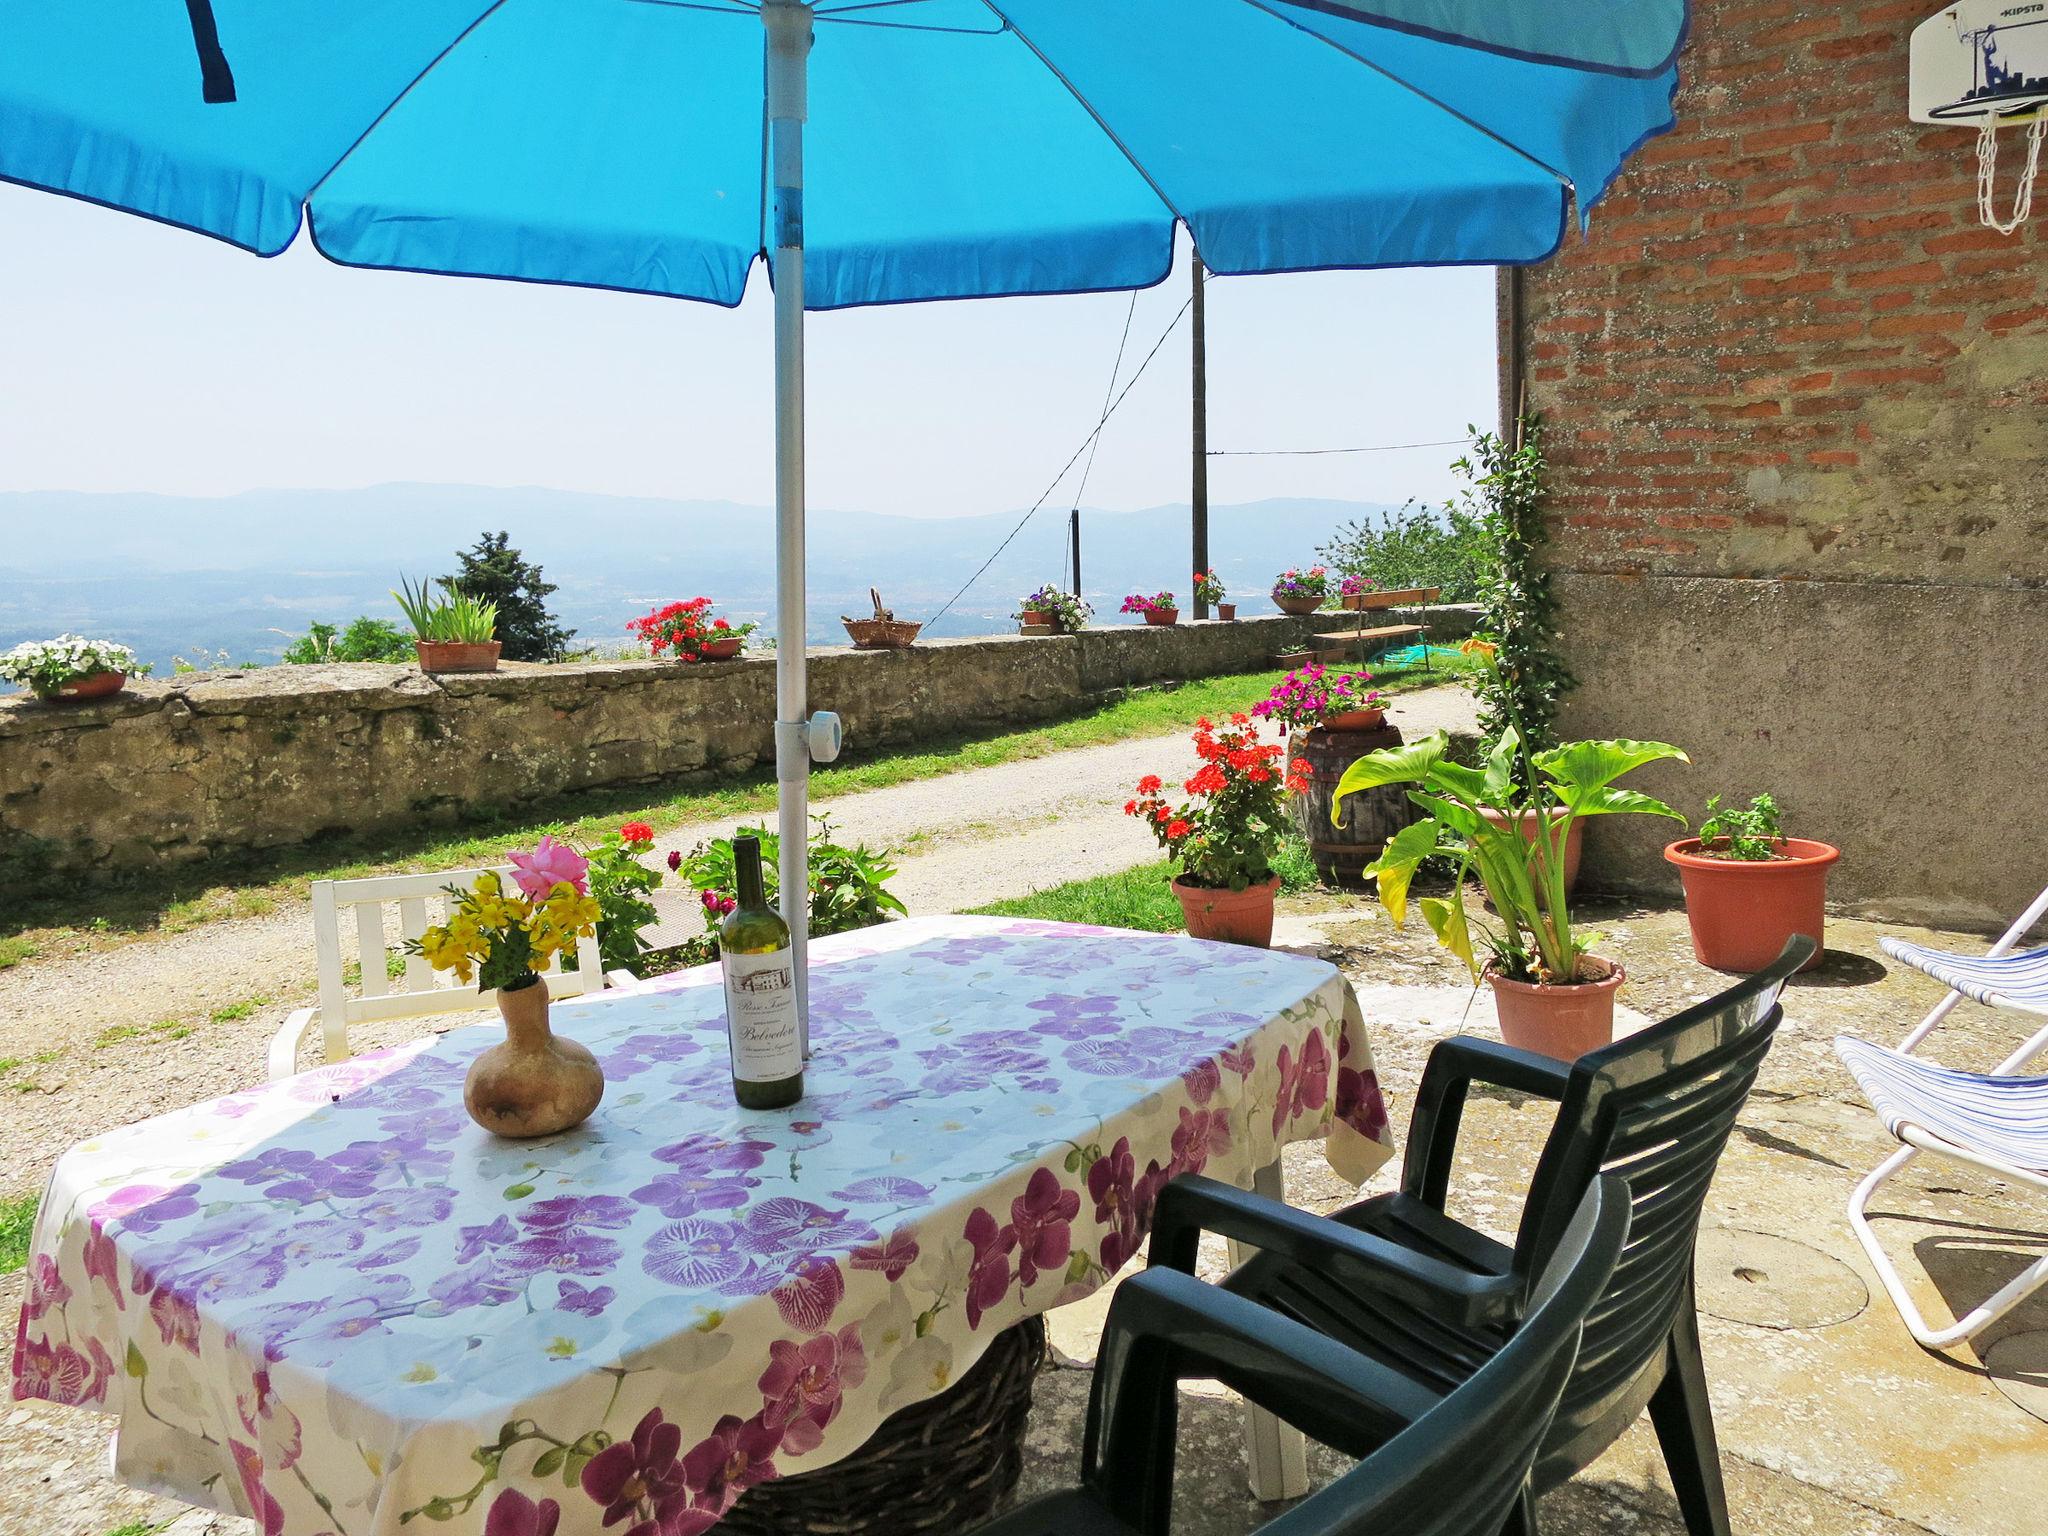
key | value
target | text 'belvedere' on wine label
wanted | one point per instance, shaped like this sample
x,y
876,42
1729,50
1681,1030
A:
x,y
760,1016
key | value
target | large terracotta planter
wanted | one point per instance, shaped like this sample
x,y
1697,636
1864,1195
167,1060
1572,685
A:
x,y
457,655
535,1083
721,650
98,686
1162,616
1743,910
1034,616
1230,917
1560,1022
1298,606
1574,840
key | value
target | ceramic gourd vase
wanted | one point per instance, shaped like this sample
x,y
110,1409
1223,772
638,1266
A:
x,y
535,1083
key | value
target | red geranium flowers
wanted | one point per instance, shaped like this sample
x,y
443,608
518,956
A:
x,y
683,629
1226,834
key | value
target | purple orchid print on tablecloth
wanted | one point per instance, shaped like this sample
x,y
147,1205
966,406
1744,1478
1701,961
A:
x,y
318,1289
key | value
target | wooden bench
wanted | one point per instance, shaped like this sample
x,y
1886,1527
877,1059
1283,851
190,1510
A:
x,y
1406,597
1365,641
1338,645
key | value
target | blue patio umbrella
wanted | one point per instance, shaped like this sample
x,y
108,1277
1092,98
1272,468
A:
x,y
956,149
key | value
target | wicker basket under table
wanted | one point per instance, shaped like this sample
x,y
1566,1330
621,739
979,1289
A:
x,y
933,1469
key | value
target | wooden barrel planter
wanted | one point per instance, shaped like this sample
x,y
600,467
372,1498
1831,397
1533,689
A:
x,y
1368,818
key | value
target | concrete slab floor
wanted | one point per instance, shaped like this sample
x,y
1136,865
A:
x,y
1832,1420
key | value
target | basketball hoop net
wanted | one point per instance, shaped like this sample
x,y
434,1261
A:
x,y
1987,173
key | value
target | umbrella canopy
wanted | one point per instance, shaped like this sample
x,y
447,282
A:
x,y
956,149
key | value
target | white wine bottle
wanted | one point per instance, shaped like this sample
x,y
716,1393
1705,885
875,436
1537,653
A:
x,y
760,992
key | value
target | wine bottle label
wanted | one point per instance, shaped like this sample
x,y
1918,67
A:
x,y
760,1017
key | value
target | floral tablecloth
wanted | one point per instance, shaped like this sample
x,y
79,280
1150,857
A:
x,y
335,1304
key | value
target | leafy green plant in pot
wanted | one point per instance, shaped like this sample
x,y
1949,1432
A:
x,y
453,632
1553,996
1749,888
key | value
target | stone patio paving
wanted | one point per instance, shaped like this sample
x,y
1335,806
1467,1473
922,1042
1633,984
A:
x,y
1832,1421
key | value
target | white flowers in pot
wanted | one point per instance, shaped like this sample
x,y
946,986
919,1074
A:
x,y
52,667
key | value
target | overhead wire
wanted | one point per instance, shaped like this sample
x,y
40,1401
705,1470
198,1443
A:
x,y
1115,370
1046,495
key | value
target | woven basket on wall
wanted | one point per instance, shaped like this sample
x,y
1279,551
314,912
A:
x,y
881,634
884,632
936,1468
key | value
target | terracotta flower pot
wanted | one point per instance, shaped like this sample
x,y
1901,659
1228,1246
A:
x,y
1226,610
1230,917
1354,720
720,650
1573,840
535,1083
98,686
457,655
1563,1022
1304,603
1030,616
1162,616
1743,910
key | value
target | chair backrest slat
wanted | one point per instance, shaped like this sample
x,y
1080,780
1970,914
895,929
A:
x,y
1654,1110
412,922
369,918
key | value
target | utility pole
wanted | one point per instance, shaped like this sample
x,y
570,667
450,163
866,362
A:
x,y
1200,435
1074,539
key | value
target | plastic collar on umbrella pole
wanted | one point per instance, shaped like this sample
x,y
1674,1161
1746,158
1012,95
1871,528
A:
x,y
792,750
798,742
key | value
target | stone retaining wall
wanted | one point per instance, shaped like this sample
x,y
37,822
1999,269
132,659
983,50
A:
x,y
230,762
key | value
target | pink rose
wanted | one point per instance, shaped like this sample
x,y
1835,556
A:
x,y
550,864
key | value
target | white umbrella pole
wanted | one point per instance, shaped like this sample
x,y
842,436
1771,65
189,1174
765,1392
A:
x,y
789,44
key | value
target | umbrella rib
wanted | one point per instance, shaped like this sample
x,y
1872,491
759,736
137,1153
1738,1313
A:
x,y
1416,90
1088,106
390,106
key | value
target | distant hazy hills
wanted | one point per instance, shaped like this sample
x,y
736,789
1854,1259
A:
x,y
170,575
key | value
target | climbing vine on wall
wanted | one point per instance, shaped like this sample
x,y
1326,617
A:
x,y
1503,492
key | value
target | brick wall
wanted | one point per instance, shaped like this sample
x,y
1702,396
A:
x,y
1789,357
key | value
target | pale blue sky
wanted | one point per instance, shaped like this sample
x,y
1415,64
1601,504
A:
x,y
137,357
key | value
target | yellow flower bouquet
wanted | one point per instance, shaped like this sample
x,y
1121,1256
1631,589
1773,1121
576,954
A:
x,y
503,937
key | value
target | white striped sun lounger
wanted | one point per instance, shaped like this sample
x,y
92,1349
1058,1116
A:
x,y
1996,1123
2016,980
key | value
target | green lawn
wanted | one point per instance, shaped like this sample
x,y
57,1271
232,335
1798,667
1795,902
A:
x,y
1137,898
250,885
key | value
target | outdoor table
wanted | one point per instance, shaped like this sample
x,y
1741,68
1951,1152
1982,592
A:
x,y
336,1304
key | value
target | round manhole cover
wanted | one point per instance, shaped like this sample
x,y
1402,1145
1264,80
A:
x,y
2018,1365
1774,1282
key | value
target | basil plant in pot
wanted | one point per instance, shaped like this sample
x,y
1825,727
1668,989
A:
x,y
1749,888
1553,996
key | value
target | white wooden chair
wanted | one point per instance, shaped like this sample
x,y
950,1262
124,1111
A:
x,y
419,989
